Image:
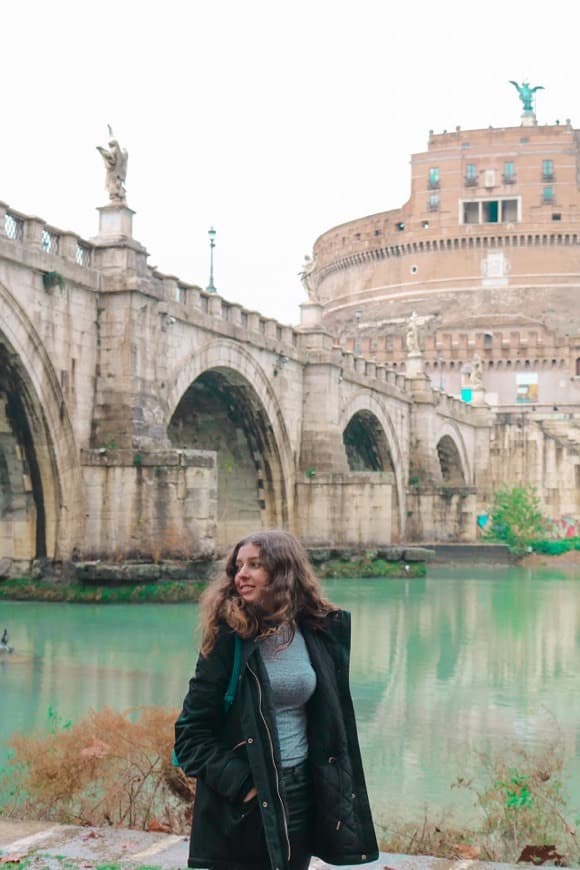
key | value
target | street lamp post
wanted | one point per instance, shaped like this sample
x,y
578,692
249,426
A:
x,y
212,234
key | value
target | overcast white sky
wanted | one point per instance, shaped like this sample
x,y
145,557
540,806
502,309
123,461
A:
x,y
272,121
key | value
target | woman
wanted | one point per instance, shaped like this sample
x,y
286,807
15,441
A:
x,y
279,772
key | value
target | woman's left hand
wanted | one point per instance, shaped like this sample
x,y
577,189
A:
x,y
251,794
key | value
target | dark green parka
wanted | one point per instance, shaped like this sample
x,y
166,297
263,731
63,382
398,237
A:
x,y
230,752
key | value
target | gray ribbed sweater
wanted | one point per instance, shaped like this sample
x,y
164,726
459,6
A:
x,y
293,681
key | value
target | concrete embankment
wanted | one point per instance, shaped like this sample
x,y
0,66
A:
x,y
45,846
472,554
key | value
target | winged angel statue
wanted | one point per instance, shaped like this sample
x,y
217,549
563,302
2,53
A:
x,y
526,94
115,161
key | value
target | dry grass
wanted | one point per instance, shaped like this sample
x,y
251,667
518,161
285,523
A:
x,y
522,811
109,769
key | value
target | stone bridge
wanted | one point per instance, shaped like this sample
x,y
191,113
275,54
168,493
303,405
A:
x,y
141,416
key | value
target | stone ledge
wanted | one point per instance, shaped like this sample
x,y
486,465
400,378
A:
x,y
144,457
97,572
320,555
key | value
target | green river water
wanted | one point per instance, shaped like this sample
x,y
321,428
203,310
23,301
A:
x,y
442,669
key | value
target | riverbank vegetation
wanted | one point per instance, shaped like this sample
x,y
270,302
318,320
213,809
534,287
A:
x,y
167,592
115,769
367,566
522,810
517,520
109,768
556,547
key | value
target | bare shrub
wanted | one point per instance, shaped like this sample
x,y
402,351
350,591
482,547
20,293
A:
x,y
521,796
523,814
432,835
109,769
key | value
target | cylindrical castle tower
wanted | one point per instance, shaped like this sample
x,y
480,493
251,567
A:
x,y
487,253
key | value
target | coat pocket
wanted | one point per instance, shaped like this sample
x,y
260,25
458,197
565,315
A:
x,y
235,816
333,806
243,830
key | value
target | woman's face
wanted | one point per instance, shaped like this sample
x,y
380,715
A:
x,y
251,578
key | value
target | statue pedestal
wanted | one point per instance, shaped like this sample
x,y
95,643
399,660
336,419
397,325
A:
x,y
116,251
311,315
478,395
528,119
414,364
115,222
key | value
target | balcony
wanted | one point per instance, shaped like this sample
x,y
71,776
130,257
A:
x,y
471,181
509,179
433,184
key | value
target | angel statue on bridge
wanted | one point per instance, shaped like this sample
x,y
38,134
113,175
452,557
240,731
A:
x,y
413,335
307,278
115,161
526,94
476,374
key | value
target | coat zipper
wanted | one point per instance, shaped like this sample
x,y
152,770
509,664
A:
x,y
272,756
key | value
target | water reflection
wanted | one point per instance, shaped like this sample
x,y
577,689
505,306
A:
x,y
442,669
453,666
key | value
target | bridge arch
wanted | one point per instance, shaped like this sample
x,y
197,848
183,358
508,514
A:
x,y
371,443
221,399
44,495
452,455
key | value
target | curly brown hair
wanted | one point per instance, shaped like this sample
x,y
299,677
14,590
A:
x,y
293,592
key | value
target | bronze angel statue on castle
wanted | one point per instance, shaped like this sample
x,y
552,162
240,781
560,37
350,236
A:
x,y
526,94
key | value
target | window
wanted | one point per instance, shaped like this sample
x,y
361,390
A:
x,y
434,178
471,175
547,170
487,340
470,212
556,216
509,172
490,211
548,194
509,211
433,202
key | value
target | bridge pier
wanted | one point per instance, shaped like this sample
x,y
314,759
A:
x,y
149,505
333,502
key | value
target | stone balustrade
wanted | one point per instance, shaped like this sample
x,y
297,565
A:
x,y
35,232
